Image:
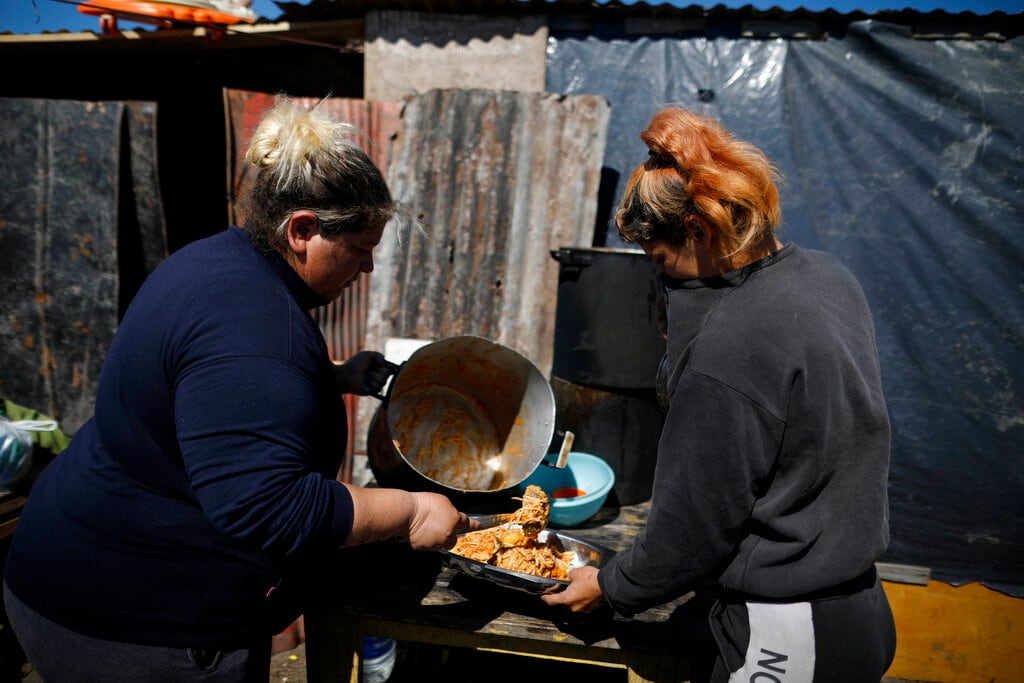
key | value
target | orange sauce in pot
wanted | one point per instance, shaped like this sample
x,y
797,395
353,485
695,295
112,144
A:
x,y
567,492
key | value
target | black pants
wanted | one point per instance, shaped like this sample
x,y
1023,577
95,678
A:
x,y
59,654
837,636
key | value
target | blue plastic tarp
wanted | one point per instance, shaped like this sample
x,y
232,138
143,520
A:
x,y
904,158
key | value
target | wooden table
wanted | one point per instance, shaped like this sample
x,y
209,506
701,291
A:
x,y
391,591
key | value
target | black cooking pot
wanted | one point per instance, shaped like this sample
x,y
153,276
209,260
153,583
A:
x,y
606,321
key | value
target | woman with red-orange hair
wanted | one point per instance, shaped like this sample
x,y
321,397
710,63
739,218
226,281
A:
x,y
773,461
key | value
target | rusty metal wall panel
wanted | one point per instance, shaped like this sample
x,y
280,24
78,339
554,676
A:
x,y
493,181
58,251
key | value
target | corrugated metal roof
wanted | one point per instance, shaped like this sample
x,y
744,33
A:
x,y
640,17
987,18
292,8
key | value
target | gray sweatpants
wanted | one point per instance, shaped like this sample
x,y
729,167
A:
x,y
843,636
61,655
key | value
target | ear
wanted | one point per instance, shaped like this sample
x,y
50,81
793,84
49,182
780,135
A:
x,y
704,234
302,227
709,238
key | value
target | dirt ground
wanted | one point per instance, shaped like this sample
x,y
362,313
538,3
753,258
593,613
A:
x,y
289,666
419,663
424,663
285,667
416,665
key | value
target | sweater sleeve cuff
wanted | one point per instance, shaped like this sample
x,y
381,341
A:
x,y
344,512
609,580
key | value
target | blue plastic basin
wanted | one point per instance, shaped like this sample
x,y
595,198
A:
x,y
583,471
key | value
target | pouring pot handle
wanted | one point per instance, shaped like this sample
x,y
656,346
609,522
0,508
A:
x,y
393,370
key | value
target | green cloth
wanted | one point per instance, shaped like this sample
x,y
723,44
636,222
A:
x,y
55,441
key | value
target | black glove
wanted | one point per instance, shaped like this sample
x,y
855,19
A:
x,y
365,373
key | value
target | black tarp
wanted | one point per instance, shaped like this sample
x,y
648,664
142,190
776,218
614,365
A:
x,y
905,159
81,224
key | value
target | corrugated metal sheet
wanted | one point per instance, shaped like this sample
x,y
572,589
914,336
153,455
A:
x,y
338,25
343,321
293,10
995,19
491,181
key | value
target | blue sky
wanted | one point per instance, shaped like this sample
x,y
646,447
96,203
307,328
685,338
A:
x,y
26,16
38,16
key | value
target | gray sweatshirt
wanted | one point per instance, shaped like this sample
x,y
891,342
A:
x,y
773,461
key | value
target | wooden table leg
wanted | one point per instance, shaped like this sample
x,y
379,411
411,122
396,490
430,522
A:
x,y
660,668
333,649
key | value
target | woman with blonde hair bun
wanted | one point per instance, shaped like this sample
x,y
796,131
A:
x,y
770,487
190,519
305,159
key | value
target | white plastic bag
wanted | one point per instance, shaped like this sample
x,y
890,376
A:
x,y
16,448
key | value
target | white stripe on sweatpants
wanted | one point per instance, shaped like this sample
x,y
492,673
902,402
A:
x,y
781,648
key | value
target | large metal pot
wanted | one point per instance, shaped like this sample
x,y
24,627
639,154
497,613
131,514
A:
x,y
463,414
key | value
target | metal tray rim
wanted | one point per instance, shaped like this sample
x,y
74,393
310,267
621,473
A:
x,y
528,582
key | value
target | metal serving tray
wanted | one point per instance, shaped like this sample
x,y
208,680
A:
x,y
586,554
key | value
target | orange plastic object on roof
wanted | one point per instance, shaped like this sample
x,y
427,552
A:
x,y
160,11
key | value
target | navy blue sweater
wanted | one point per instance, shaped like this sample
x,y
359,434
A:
x,y
194,506
774,458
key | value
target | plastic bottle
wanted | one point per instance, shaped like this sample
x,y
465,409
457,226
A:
x,y
378,659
